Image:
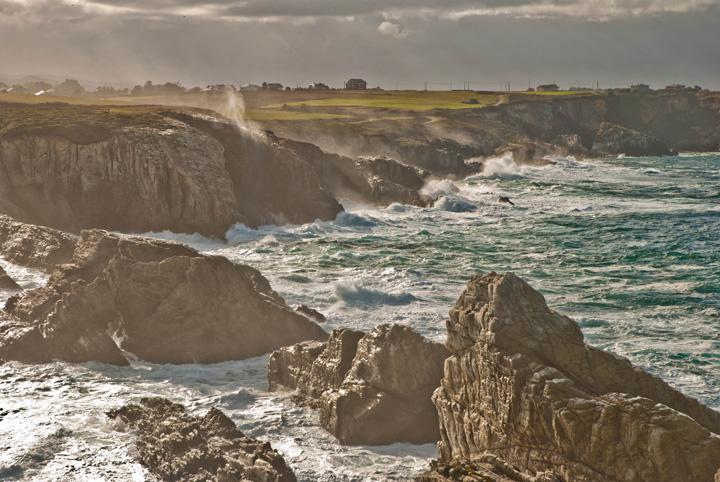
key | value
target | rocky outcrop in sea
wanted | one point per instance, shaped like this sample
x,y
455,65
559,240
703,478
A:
x,y
160,301
523,386
34,246
370,388
175,445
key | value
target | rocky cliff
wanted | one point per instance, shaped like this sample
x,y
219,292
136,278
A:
x,y
175,445
160,301
371,389
136,170
441,141
139,169
524,386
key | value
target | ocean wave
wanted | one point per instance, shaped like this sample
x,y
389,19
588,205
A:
x,y
439,187
360,297
349,219
454,204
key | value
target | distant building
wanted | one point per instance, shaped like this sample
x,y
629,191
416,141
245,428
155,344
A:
x,y
548,88
220,88
318,86
250,88
641,88
356,84
272,86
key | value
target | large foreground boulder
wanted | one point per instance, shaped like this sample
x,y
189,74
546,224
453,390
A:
x,y
161,301
175,445
524,386
34,246
371,389
614,139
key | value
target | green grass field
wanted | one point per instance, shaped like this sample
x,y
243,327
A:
x,y
299,105
400,100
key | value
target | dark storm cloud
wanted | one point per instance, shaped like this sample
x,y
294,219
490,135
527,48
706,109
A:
x,y
393,42
278,9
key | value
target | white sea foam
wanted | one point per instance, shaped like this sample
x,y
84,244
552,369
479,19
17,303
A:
x,y
503,167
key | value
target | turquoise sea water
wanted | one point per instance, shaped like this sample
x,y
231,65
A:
x,y
628,247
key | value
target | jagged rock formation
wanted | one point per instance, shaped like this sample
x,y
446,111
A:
x,y
161,301
371,389
6,282
523,385
175,445
613,139
34,246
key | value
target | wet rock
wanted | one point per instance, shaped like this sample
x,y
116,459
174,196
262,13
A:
x,y
523,385
175,445
614,139
6,282
34,246
371,389
311,313
160,301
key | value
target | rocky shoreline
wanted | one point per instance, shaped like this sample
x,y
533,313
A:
x,y
514,394
185,171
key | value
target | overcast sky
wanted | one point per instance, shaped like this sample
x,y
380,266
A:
x,y
388,42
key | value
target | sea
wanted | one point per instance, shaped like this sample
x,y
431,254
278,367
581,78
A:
x,y
628,247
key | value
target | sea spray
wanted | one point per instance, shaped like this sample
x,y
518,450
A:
x,y
503,167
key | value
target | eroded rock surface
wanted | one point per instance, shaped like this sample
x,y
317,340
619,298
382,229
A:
x,y
371,389
161,301
523,385
175,445
613,139
34,246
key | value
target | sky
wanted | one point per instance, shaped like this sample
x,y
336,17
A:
x,y
390,43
